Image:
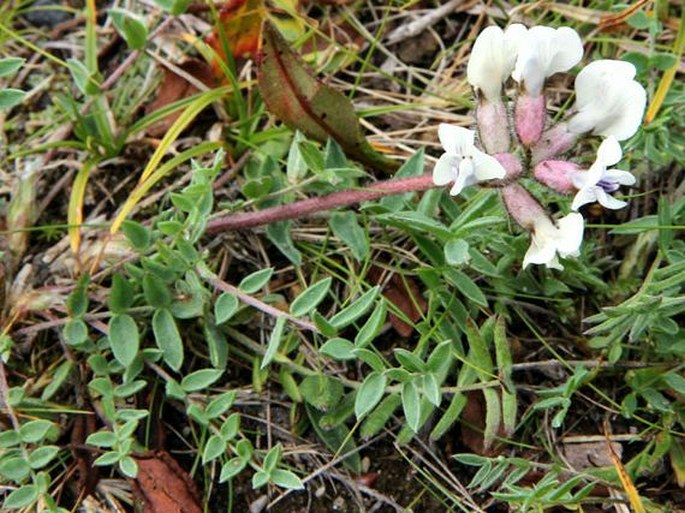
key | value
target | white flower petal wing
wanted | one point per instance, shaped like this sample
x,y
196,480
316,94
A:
x,y
487,167
456,140
445,169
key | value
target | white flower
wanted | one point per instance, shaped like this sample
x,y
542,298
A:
x,y
542,53
463,163
608,100
595,183
492,59
548,242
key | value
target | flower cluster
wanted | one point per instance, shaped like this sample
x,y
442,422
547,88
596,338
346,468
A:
x,y
513,130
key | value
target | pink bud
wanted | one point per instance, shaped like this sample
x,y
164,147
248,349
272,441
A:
x,y
554,142
530,118
511,165
493,126
522,206
556,174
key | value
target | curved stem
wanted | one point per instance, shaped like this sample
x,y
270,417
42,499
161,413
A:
x,y
313,205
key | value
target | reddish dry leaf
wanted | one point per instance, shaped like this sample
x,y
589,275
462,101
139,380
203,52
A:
x,y
174,87
241,23
87,473
404,293
162,486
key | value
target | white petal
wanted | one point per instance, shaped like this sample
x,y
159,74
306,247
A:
x,y
571,229
567,50
445,170
456,140
485,70
608,201
609,152
584,196
459,184
487,167
539,252
608,100
514,35
618,176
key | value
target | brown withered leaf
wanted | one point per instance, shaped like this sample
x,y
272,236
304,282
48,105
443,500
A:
x,y
241,24
174,87
473,426
162,486
405,294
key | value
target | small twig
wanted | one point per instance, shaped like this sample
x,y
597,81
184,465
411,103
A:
x,y
221,285
420,24
313,205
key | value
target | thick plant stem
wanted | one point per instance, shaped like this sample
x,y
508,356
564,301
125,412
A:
x,y
313,205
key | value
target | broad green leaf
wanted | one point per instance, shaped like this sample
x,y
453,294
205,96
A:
x,y
336,438
220,404
230,427
21,497
77,302
457,252
466,286
120,294
286,479
255,281
128,467
10,65
370,358
450,416
226,305
411,405
42,456
84,80
413,166
409,360
479,354
338,349
175,7
214,448
11,97
200,379
431,389
352,312
168,338
156,291
371,327
347,229
369,394
306,301
232,468
259,479
322,392
75,332
380,416
296,167
304,103
124,338
35,431
131,27
102,439
14,468
273,457
274,342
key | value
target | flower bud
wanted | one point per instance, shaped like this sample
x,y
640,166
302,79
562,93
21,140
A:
x,y
511,165
553,142
493,126
556,174
530,118
522,206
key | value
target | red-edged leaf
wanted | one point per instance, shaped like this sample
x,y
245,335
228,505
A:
x,y
302,102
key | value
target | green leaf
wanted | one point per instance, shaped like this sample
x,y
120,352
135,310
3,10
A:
x,y
347,229
225,307
352,312
457,252
131,27
337,438
370,358
230,427
124,338
21,497
310,298
259,479
493,416
102,439
286,479
108,458
77,302
255,281
321,391
35,431
217,345
409,360
120,294
128,467
480,354
273,457
413,166
371,327
338,349
303,103
168,338
200,379
466,286
411,405
85,81
75,332
139,236
156,291
380,416
10,65
232,468
296,167
14,469
214,448
431,389
280,235
11,97
175,7
369,394
42,456
130,388
322,324
220,404
274,342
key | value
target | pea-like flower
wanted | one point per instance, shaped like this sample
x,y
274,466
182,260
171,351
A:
x,y
492,59
608,100
463,163
543,52
549,242
598,182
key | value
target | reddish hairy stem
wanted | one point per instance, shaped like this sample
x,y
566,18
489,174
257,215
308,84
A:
x,y
313,205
